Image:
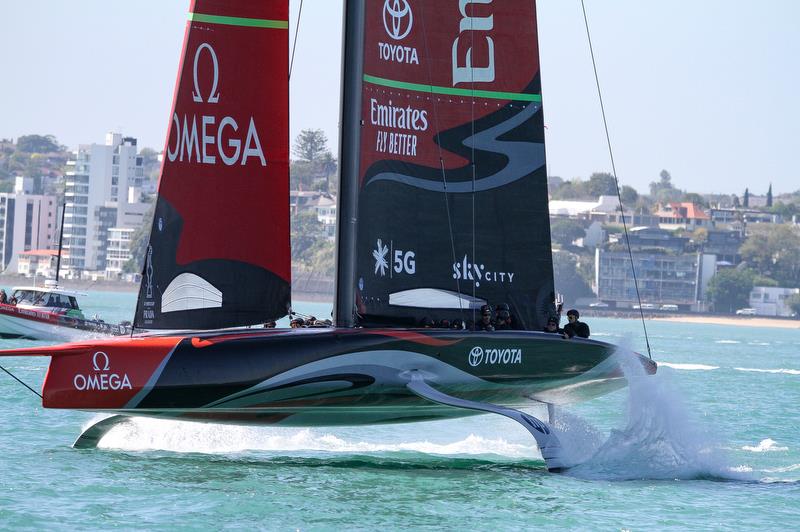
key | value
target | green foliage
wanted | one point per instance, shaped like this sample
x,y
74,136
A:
x,y
315,167
774,251
794,303
601,184
304,233
568,280
695,198
139,241
730,289
38,144
150,163
565,231
629,196
760,280
787,210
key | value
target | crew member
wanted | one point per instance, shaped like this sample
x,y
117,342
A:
x,y
552,327
485,323
574,327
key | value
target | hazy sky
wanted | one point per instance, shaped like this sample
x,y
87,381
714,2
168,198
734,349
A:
x,y
706,89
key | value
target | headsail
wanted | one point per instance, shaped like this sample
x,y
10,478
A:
x,y
452,186
219,253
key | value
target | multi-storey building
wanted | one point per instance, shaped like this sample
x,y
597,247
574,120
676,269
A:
x,y
97,189
118,251
27,221
663,278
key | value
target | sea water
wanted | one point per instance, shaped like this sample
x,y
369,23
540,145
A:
x,y
711,442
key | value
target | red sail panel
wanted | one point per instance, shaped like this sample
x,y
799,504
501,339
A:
x,y
452,206
219,252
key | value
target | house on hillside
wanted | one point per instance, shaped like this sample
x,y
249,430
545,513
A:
x,y
682,215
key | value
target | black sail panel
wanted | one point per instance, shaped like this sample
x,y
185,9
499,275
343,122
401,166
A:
x,y
452,201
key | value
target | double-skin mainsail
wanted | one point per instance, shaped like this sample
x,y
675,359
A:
x,y
444,187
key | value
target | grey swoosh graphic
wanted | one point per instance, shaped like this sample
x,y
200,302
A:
x,y
523,158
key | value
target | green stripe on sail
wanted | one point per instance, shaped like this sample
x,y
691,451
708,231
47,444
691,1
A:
x,y
453,91
240,21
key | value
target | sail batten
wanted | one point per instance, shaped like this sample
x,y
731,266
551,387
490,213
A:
x,y
219,253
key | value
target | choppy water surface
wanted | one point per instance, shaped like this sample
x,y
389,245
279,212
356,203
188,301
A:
x,y
711,442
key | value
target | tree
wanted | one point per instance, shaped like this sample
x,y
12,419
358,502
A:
x,y
304,233
553,183
769,196
774,251
310,144
746,201
736,203
629,196
694,197
139,241
38,144
665,182
700,236
566,231
730,289
315,164
794,304
602,184
568,280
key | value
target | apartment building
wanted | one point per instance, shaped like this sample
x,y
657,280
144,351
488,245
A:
x,y
27,221
98,185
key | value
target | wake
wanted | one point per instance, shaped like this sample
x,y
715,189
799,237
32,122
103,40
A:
x,y
658,440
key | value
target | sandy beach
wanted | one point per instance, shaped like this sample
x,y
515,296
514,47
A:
x,y
739,321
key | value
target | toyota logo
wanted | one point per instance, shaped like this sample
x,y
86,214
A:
x,y
397,18
475,356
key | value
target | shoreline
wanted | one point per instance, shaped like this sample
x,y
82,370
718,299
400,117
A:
x,y
737,321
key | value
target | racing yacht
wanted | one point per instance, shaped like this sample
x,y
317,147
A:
x,y
442,210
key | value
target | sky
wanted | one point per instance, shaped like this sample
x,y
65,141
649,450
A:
x,y
706,89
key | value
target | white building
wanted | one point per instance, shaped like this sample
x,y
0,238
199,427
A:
x,y
771,300
97,193
118,251
326,214
39,263
27,221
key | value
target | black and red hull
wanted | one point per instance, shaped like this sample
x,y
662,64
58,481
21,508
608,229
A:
x,y
313,377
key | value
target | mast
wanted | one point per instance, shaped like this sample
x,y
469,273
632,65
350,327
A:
x,y
349,141
60,240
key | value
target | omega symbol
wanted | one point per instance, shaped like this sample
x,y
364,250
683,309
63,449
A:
x,y
103,358
213,95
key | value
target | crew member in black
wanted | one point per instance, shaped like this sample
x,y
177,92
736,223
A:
x,y
552,327
503,321
485,323
575,327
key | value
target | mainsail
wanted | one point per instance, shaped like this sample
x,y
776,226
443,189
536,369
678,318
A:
x,y
219,252
451,208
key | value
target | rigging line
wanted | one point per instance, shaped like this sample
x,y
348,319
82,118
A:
x,y
441,161
22,383
616,181
294,43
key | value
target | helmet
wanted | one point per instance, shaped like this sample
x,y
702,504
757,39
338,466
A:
x,y
573,312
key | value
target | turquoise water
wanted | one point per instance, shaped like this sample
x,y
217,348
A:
x,y
712,442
